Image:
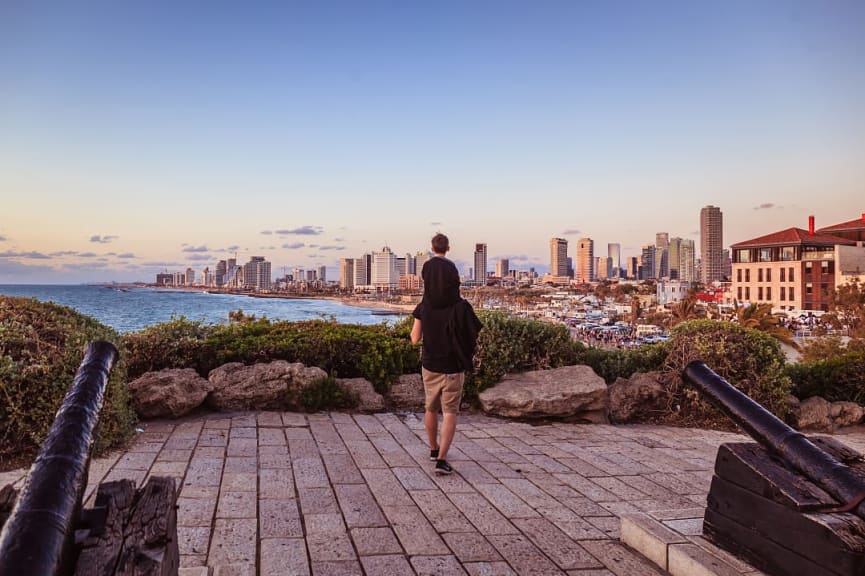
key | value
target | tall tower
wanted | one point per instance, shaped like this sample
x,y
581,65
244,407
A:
x,y
711,244
662,255
346,273
558,257
503,267
480,270
614,253
585,260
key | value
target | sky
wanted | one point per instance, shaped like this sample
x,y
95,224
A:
x,y
151,136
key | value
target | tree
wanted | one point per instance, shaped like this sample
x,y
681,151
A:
x,y
760,317
684,310
848,303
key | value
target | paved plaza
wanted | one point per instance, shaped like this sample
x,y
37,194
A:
x,y
285,493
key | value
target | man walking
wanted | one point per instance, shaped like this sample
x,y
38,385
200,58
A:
x,y
448,327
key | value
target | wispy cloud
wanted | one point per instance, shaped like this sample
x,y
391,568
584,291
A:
x,y
28,255
331,247
102,239
3,238
198,257
435,223
766,206
571,232
339,239
126,255
266,232
189,248
63,253
162,264
303,231
88,255
267,247
293,245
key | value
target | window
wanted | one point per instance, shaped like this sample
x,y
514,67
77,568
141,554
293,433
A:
x,y
782,290
782,274
747,293
765,254
790,294
768,293
788,253
808,267
768,274
809,289
739,293
739,275
743,255
759,293
827,267
747,274
791,279
759,274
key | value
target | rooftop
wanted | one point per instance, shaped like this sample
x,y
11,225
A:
x,y
792,237
857,224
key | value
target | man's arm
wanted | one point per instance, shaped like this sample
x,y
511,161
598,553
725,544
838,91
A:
x,y
416,332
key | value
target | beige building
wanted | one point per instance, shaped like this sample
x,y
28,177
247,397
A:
x,y
346,273
558,257
585,271
711,244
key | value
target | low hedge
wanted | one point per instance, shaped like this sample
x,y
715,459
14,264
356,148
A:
x,y
41,347
836,378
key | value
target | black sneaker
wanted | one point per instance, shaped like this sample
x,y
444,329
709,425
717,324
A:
x,y
442,467
434,454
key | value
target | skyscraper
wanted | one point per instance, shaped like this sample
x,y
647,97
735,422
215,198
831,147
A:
x,y
346,273
322,273
614,253
421,258
558,257
662,255
384,270
585,260
480,269
647,262
503,267
711,244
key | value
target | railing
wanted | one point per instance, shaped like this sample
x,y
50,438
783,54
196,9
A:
x,y
39,536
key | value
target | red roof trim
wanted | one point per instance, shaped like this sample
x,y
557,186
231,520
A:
x,y
793,236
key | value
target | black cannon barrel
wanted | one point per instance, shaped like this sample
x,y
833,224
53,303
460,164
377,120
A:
x,y
39,535
774,435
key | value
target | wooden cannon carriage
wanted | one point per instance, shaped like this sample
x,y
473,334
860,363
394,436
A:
x,y
791,505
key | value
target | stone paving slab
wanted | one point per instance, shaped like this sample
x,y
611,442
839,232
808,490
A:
x,y
335,493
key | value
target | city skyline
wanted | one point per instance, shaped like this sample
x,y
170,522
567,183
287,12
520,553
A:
x,y
132,142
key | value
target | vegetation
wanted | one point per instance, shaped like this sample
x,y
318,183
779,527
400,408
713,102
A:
x,y
41,347
831,369
848,308
760,317
327,394
613,364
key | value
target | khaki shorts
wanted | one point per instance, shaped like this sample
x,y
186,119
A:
x,y
443,391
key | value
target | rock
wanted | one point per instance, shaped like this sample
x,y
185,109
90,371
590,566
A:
x,y
168,393
845,414
633,398
793,409
407,393
571,391
814,415
275,385
368,400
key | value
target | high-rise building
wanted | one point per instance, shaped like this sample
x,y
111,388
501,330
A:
x,y
662,255
361,277
614,253
190,277
480,270
346,273
647,262
322,273
685,263
604,267
633,267
311,276
421,258
298,275
221,271
384,269
558,257
585,260
711,244
503,267
256,273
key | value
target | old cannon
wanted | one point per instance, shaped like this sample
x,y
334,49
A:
x,y
47,531
791,505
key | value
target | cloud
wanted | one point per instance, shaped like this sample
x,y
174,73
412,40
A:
x,y
571,232
126,255
3,238
266,232
435,223
331,247
163,264
102,239
88,255
312,246
28,255
199,257
63,253
190,248
303,231
293,245
766,206
339,239
267,247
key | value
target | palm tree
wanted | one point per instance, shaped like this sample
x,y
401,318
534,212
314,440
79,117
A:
x,y
760,317
684,310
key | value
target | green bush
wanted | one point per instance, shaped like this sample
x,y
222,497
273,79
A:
x,y
613,364
507,344
378,353
836,378
327,394
41,347
749,359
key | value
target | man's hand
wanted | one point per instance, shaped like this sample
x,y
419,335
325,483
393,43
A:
x,y
416,332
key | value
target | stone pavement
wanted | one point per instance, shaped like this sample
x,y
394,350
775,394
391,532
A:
x,y
285,493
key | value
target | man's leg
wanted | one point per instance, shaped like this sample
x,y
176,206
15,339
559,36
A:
x,y
431,420
449,427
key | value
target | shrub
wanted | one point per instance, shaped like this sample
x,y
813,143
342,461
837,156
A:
x,y
41,347
327,394
834,378
749,359
613,364
508,344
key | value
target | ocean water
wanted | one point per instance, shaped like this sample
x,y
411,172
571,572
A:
x,y
137,308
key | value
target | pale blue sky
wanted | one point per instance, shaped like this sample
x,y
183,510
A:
x,y
181,130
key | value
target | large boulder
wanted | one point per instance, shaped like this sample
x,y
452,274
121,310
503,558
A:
x,y
271,386
368,400
168,393
407,393
814,414
636,397
845,414
573,392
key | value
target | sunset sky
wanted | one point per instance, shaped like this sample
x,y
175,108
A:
x,y
160,135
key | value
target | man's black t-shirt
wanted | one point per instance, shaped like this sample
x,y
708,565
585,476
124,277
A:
x,y
438,354
441,282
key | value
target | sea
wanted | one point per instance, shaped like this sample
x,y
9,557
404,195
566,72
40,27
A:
x,y
128,309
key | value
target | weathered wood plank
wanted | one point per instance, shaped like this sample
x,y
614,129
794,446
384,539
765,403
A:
x,y
838,450
836,540
754,468
99,554
150,544
8,497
